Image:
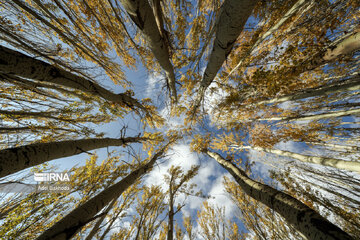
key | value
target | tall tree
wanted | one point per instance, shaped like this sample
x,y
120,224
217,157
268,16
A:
x,y
18,64
19,158
325,161
142,15
178,183
76,219
304,219
232,19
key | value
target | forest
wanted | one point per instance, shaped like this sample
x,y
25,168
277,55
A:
x,y
180,119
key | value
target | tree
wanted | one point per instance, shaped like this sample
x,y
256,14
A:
x,y
16,159
40,210
72,222
230,23
213,224
273,77
178,183
290,208
325,161
261,221
312,187
142,15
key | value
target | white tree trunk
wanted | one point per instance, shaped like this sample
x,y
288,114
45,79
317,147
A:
x,y
233,16
18,64
95,229
142,15
284,18
80,216
325,161
346,46
19,158
315,116
346,86
336,147
304,219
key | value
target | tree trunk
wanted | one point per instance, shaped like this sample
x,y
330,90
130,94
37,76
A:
x,y
336,147
95,229
108,228
231,21
16,63
304,219
19,158
349,85
325,161
170,233
346,46
284,18
68,226
315,116
142,15
31,129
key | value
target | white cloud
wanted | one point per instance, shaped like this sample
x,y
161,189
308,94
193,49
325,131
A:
x,y
288,146
288,105
172,122
220,196
262,164
209,179
153,83
212,96
179,155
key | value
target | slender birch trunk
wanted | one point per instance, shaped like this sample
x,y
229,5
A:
x,y
36,115
31,129
304,219
274,28
315,116
346,46
16,63
170,233
95,228
142,15
325,161
15,159
109,227
127,201
231,21
336,147
349,85
68,226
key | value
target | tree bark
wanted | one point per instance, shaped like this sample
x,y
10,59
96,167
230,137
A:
x,y
31,129
284,18
315,116
348,85
325,161
95,229
346,46
336,147
304,219
142,15
170,233
231,21
18,64
15,159
68,226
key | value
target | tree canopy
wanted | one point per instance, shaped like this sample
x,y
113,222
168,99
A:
x,y
262,97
